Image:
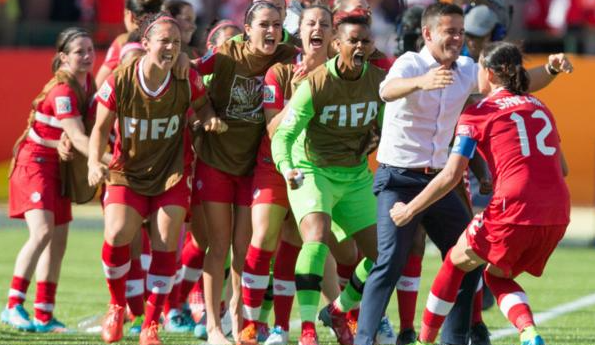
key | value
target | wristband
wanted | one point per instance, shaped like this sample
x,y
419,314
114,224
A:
x,y
551,70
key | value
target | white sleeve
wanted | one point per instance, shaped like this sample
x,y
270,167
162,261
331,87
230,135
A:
x,y
403,67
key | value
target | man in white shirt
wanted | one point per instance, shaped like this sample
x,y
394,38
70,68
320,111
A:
x,y
425,93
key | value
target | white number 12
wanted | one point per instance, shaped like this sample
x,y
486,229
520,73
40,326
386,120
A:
x,y
540,137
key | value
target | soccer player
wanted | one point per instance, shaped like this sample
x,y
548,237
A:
x,y
35,182
270,206
149,175
320,148
223,178
529,212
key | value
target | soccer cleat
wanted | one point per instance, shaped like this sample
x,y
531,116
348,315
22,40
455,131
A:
x,y
536,340
52,326
187,316
113,322
150,335
338,323
17,317
479,335
385,335
200,330
308,337
176,323
278,336
248,335
262,329
407,337
136,326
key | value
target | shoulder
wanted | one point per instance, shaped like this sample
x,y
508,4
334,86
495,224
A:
x,y
376,72
286,52
466,64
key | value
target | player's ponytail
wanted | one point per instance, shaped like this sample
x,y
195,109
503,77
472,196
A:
x,y
63,43
506,60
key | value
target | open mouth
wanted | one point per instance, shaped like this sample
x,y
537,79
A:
x,y
316,41
358,58
269,41
167,57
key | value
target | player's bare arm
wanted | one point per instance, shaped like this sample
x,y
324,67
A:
x,y
541,76
444,182
75,131
98,143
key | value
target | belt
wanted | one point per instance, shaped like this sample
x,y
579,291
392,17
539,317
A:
x,y
425,170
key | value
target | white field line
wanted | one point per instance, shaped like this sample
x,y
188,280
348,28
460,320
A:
x,y
553,313
542,317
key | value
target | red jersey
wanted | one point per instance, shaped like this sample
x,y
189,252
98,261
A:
x,y
517,136
112,57
60,103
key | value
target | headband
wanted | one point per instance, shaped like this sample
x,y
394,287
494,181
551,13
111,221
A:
x,y
160,20
222,24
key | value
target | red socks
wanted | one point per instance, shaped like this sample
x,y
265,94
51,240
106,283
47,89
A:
x,y
159,282
407,288
116,264
255,280
441,299
18,291
192,263
512,300
135,288
44,301
284,283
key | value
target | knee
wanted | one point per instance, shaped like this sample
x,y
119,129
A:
x,y
41,236
218,252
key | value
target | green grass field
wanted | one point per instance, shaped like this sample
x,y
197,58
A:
x,y
82,293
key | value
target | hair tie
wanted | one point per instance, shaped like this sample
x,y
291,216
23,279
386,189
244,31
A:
x,y
159,20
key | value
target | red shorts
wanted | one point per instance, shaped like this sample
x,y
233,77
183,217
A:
x,y
269,187
514,248
178,195
37,186
211,184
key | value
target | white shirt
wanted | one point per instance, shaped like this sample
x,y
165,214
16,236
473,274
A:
x,y
418,128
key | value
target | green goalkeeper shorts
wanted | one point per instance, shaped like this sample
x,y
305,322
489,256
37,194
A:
x,y
344,194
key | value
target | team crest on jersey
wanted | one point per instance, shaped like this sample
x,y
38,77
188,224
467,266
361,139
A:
x,y
105,91
63,105
269,94
465,130
245,99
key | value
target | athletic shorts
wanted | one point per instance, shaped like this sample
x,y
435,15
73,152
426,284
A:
x,y
178,195
514,248
269,187
212,184
344,195
37,186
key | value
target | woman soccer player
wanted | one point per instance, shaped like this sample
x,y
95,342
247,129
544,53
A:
x,y
529,212
321,149
223,174
149,175
270,206
35,184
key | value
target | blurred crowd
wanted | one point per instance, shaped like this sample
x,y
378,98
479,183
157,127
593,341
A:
x,y
542,25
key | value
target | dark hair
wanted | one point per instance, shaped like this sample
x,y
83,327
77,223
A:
x,y
439,9
409,34
148,23
174,7
255,6
214,30
63,43
314,6
141,8
357,17
506,60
